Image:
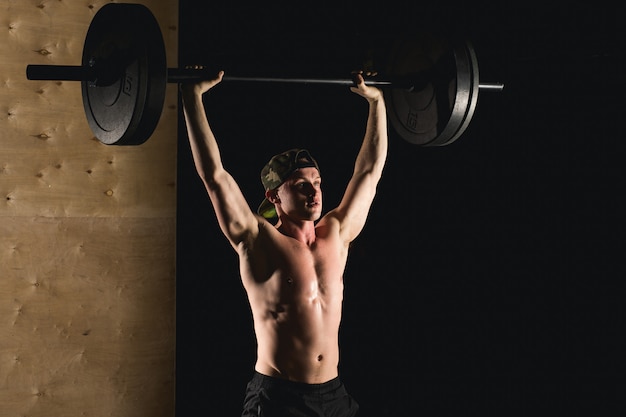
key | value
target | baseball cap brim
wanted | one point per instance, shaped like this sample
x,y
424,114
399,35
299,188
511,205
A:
x,y
267,209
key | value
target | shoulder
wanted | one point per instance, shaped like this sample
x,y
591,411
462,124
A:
x,y
329,225
345,225
260,231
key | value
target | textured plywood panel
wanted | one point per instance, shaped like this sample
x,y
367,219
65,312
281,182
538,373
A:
x,y
87,233
50,164
86,318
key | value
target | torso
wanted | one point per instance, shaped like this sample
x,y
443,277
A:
x,y
296,293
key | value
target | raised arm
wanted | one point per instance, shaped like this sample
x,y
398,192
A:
x,y
355,205
234,215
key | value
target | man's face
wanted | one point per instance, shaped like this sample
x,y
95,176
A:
x,y
300,196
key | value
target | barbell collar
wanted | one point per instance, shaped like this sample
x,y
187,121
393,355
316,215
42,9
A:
x,y
93,75
60,73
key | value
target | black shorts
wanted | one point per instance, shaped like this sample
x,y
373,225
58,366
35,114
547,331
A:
x,y
274,397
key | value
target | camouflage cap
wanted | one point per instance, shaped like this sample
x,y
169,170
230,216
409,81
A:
x,y
278,169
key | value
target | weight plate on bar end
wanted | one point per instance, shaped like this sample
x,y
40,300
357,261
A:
x,y
125,46
432,112
474,89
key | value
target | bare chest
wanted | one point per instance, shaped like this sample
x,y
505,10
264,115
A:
x,y
309,272
296,274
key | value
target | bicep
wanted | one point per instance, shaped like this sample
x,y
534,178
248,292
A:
x,y
234,215
355,205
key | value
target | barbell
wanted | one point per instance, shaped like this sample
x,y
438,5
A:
x,y
431,86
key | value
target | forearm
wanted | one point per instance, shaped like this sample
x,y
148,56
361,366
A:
x,y
202,141
373,152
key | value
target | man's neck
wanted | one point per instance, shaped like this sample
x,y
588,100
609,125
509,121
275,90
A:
x,y
303,231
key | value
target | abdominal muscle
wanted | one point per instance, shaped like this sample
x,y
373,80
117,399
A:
x,y
298,342
297,307
296,322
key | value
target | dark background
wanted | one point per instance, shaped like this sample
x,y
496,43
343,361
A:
x,y
488,278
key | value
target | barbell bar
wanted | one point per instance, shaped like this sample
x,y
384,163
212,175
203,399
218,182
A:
x,y
124,73
187,75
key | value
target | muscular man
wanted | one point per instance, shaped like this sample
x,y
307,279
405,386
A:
x,y
292,270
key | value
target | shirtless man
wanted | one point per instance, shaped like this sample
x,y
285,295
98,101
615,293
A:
x,y
292,270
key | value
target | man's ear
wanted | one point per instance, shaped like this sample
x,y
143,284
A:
x,y
272,196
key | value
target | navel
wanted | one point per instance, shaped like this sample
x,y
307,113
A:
x,y
320,357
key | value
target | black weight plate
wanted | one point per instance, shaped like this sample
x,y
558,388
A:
x,y
125,47
473,91
433,111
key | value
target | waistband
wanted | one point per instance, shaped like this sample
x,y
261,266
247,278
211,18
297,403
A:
x,y
266,381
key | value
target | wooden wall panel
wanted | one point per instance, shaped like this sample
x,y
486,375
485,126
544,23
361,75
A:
x,y
51,165
87,233
87,321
